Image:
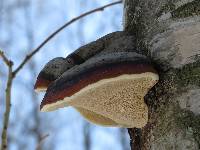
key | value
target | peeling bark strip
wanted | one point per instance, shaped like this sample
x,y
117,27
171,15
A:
x,y
167,31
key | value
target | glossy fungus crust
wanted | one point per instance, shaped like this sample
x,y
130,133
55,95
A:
x,y
107,89
70,86
54,69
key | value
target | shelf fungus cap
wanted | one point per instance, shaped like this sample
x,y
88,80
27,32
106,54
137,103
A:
x,y
54,69
111,85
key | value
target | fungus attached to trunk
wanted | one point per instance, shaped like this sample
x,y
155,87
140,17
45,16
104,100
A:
x,y
57,66
53,70
109,86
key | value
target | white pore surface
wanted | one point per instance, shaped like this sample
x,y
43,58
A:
x,y
41,89
119,100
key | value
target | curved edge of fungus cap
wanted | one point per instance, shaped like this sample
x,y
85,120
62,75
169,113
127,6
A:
x,y
54,69
96,118
112,85
57,66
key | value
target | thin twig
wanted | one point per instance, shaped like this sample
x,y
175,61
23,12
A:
x,y
41,140
29,56
9,63
12,74
4,139
5,59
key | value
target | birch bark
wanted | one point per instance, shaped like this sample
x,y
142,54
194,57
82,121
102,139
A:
x,y
168,31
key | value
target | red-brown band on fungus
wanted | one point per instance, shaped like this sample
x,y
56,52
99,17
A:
x,y
104,66
42,84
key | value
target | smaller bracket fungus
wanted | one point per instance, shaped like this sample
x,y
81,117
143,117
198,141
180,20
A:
x,y
54,69
110,87
57,66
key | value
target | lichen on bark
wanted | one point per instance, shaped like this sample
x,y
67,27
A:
x,y
191,8
188,75
187,10
175,128
171,125
191,122
165,113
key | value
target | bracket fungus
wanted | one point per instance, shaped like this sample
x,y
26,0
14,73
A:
x,y
107,89
57,66
54,69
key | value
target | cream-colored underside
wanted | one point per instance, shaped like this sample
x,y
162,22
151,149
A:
x,y
41,89
96,118
116,101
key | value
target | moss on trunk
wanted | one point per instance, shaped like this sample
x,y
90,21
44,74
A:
x,y
170,125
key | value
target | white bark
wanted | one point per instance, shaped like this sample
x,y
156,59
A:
x,y
168,31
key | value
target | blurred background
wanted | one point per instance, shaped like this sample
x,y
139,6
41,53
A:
x,y
24,24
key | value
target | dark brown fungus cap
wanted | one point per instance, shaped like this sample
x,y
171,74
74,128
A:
x,y
112,85
54,69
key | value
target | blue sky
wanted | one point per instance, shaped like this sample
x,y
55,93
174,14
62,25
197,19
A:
x,y
24,24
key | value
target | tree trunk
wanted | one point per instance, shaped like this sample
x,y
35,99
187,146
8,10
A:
x,y
168,32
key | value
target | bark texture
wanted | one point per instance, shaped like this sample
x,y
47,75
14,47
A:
x,y
168,32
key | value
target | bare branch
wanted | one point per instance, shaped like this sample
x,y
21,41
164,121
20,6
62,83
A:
x,y
8,106
29,56
9,64
5,59
12,74
41,140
